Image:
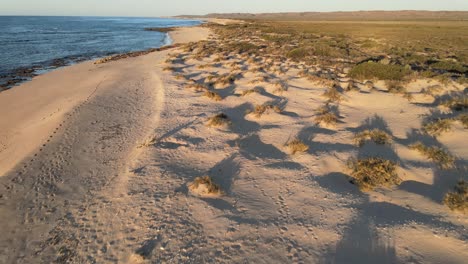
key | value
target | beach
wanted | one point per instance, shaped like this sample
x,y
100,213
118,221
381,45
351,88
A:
x,y
105,162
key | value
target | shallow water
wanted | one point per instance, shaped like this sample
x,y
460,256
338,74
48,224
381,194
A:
x,y
41,43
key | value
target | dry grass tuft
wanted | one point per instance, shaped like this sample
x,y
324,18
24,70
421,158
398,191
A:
x,y
378,136
261,79
204,186
437,127
250,91
266,108
219,120
149,142
280,87
180,77
458,103
169,69
370,173
332,94
296,145
437,155
225,79
431,90
320,80
463,118
326,116
395,87
213,95
457,200
197,87
352,87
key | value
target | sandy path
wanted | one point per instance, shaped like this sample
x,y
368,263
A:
x,y
72,138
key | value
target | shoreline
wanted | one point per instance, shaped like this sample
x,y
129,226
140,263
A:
x,y
17,76
45,103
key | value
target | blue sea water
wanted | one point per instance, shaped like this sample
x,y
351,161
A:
x,y
41,42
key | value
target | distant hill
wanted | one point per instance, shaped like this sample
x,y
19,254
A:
x,y
405,15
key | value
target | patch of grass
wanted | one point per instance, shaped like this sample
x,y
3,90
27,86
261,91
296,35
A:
x,y
457,103
296,145
243,47
250,91
395,87
377,71
450,66
225,79
179,77
352,87
262,109
149,142
219,120
457,200
298,54
437,155
463,118
169,69
326,116
332,94
431,90
204,66
261,79
280,87
373,172
197,87
378,136
437,127
320,80
213,95
204,186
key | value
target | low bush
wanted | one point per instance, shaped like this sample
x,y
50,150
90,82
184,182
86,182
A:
x,y
457,200
213,96
378,136
219,120
370,173
374,70
204,186
296,145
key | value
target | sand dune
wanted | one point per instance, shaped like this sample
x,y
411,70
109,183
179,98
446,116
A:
x,y
115,182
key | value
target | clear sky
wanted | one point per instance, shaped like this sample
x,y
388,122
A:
x,y
196,7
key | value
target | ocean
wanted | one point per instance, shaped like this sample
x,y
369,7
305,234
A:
x,y
31,45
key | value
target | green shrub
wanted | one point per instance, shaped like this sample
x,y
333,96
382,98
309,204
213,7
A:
x,y
373,70
449,66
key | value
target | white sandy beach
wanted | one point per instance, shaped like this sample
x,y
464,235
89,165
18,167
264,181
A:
x,y
95,161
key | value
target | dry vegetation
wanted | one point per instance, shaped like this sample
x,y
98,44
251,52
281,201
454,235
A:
x,y
370,173
330,54
326,115
296,146
437,127
213,95
376,135
219,120
204,186
437,155
457,200
266,108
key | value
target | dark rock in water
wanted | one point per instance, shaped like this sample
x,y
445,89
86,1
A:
x,y
162,30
